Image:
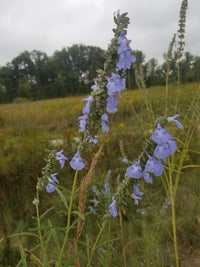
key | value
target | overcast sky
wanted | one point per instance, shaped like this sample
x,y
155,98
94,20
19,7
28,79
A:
x,y
50,25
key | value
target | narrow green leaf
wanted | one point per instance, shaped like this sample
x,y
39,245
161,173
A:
x,y
46,212
72,259
55,237
62,197
48,228
19,263
80,215
87,247
23,233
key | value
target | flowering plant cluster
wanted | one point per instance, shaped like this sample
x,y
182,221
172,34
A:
x,y
148,165
108,85
47,173
103,98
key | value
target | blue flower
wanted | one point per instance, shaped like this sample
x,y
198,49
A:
x,y
170,119
124,51
107,189
61,158
95,86
172,145
86,109
111,103
143,212
136,193
160,135
104,120
165,207
115,84
113,209
121,37
147,177
135,171
95,191
154,166
125,160
90,208
52,180
162,151
83,122
92,140
124,45
125,60
77,163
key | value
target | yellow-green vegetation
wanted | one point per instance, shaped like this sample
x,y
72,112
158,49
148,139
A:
x,y
27,129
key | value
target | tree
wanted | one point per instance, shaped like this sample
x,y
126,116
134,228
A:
x,y
186,65
153,73
196,68
7,80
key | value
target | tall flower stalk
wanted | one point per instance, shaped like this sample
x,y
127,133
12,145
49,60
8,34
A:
x,y
181,43
108,85
168,63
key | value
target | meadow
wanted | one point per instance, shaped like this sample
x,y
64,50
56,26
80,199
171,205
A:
x,y
141,235
110,180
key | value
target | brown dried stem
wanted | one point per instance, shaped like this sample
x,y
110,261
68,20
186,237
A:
x,y
82,199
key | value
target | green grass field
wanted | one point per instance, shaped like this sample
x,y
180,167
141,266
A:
x,y
27,129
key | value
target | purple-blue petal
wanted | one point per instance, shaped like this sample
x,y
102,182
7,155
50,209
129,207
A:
x,y
77,163
137,191
115,84
50,187
125,160
83,122
170,119
162,151
154,166
135,171
111,103
160,135
113,209
147,177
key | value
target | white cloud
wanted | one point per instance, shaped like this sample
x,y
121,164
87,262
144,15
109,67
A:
x,y
50,25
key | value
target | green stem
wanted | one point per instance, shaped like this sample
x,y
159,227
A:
x,y
96,242
178,85
68,219
166,94
38,224
172,197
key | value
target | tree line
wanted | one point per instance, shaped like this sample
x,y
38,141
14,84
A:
x,y
34,75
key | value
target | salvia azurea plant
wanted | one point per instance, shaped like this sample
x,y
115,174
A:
x,y
94,121
101,102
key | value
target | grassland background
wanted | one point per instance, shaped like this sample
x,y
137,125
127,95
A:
x,y
27,129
